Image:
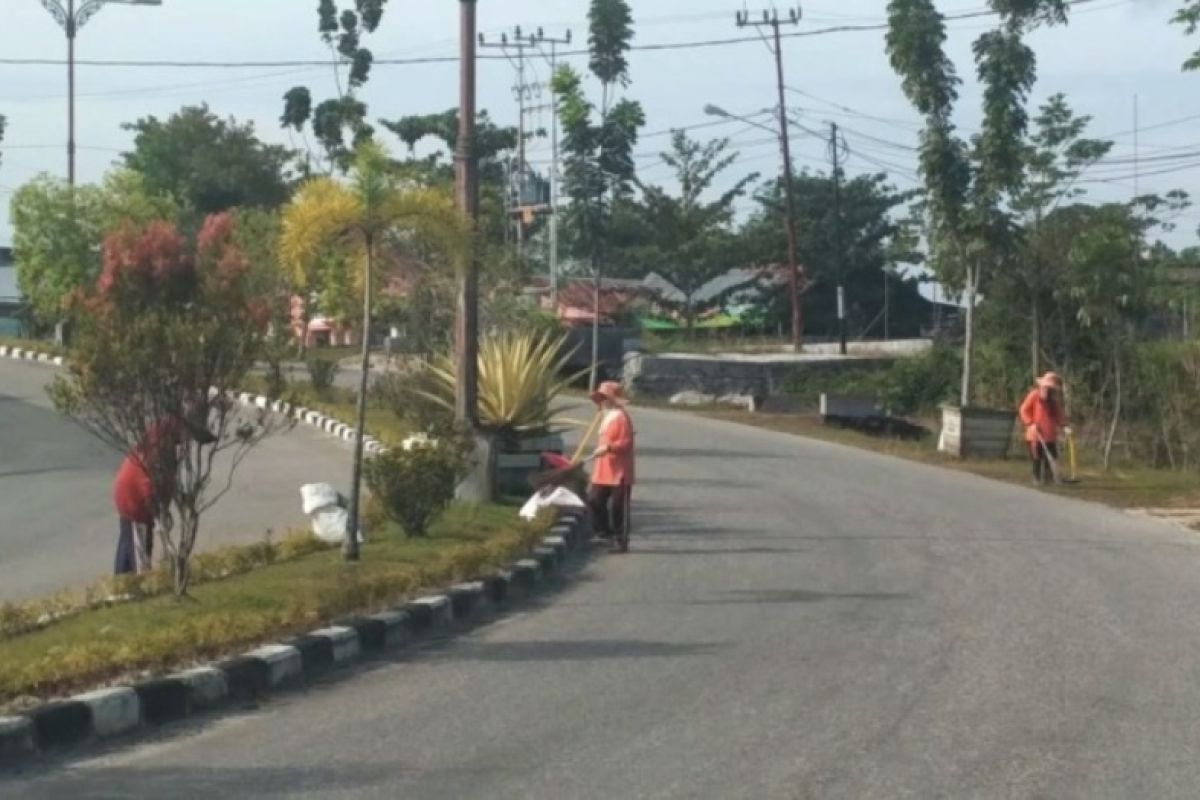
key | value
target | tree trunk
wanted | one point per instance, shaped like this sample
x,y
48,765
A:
x,y
181,572
1036,337
969,338
181,558
350,543
1116,418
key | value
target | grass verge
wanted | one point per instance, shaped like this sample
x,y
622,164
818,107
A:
x,y
1122,486
340,404
274,601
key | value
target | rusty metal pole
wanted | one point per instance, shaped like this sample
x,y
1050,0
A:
x,y
466,178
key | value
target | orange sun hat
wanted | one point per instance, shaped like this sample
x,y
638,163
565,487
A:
x,y
612,391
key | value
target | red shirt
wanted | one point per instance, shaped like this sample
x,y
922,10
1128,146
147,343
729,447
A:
x,y
133,490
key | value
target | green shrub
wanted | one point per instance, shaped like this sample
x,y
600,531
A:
x,y
913,385
415,485
908,386
322,372
410,396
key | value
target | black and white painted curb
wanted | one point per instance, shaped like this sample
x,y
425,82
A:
x,y
316,419
24,354
302,415
105,714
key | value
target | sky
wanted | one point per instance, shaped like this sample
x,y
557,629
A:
x,y
1112,52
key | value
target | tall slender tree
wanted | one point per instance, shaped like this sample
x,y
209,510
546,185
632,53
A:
x,y
373,212
598,163
967,185
691,238
1057,153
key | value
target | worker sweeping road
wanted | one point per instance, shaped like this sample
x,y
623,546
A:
x,y
1043,414
613,473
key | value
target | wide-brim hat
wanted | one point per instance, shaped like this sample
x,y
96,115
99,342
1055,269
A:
x,y
611,391
1051,380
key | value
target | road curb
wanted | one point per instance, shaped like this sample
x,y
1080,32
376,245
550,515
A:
x,y
334,427
110,713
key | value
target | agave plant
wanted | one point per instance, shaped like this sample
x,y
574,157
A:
x,y
520,375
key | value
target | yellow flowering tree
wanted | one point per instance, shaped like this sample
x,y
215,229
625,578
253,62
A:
x,y
374,211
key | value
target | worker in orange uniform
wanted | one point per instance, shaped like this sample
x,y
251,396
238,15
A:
x,y
1043,414
613,474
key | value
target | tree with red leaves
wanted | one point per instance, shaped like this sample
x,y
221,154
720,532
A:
x,y
167,335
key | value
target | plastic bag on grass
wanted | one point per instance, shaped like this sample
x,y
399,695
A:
x,y
326,507
315,496
556,497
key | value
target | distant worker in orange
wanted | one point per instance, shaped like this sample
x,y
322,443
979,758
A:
x,y
1043,414
613,474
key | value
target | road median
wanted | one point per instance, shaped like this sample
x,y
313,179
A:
x,y
303,621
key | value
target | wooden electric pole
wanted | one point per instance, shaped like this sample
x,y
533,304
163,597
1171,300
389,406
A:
x,y
466,184
771,19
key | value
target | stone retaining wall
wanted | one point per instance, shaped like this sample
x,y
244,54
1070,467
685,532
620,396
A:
x,y
763,377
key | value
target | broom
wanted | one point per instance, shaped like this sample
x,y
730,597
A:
x,y
560,476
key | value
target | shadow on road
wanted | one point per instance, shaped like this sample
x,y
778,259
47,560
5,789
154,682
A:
x,y
690,453
214,781
579,650
790,596
22,473
717,551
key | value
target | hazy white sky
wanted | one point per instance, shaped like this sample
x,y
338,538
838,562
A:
x,y
1112,51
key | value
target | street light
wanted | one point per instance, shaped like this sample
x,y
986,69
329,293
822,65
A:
x,y
72,17
789,221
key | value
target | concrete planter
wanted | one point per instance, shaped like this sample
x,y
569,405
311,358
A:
x,y
519,460
976,432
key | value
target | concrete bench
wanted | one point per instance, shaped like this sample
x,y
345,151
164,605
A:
x,y
850,407
867,415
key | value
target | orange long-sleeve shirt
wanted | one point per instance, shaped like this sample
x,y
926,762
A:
x,y
616,467
1038,416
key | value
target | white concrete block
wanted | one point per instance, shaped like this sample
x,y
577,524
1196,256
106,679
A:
x,y
207,686
114,710
345,643
284,663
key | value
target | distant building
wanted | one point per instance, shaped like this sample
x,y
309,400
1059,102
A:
x,y
11,301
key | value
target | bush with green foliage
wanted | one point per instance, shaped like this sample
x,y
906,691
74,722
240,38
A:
x,y
322,372
909,386
409,395
415,485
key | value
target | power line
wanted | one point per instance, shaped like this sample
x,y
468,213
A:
x,y
645,48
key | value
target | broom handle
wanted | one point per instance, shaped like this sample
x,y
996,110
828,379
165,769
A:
x,y
587,437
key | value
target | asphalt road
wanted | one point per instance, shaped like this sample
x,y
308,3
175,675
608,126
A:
x,y
796,620
57,524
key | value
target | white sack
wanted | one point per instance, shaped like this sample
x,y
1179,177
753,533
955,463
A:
x,y
315,496
560,497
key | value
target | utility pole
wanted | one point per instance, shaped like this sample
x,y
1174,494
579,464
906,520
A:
x,y
466,185
887,305
771,19
838,150
514,49
543,40
72,17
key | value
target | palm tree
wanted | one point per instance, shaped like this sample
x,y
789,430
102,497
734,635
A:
x,y
374,209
